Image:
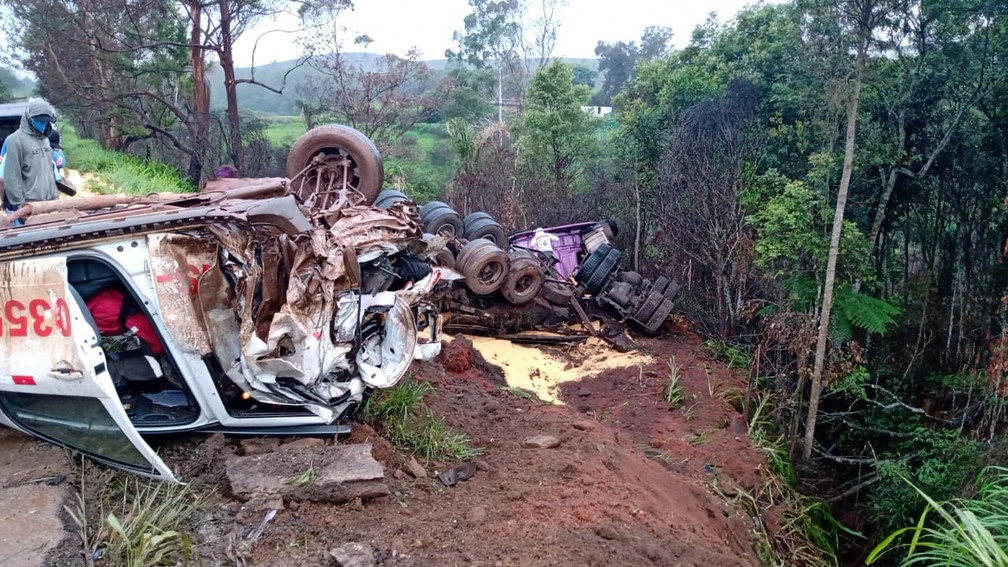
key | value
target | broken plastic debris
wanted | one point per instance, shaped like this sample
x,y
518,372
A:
x,y
258,532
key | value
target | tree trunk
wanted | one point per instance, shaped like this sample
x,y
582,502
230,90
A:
x,y
637,219
834,249
201,96
230,86
500,92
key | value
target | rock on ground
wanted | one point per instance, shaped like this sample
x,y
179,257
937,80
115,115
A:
x,y
541,442
336,473
353,555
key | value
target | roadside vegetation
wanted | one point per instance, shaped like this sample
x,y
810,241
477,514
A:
x,y
402,415
825,180
115,172
126,521
963,532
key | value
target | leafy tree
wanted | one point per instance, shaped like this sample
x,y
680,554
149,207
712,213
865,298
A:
x,y
556,141
467,94
618,60
863,15
616,64
584,75
491,32
118,68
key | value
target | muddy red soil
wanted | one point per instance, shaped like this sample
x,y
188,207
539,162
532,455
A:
x,y
630,483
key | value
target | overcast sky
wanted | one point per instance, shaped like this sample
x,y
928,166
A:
x,y
398,25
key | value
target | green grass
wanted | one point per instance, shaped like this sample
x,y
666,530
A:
x,y
967,532
403,416
674,393
145,527
283,130
732,356
117,172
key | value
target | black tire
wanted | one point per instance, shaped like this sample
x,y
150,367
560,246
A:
x,y
335,142
524,279
672,290
592,262
473,217
660,314
389,197
602,273
484,265
425,209
647,309
443,221
660,283
485,228
557,293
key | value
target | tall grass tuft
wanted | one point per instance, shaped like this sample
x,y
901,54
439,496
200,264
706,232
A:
x,y
674,394
121,173
146,529
966,533
402,415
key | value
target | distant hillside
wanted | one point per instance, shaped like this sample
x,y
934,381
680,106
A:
x,y
263,101
16,87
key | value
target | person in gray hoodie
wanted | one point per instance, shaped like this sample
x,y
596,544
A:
x,y
28,165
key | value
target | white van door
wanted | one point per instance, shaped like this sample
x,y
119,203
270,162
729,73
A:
x,y
54,383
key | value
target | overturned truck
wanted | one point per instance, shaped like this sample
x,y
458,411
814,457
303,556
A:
x,y
546,278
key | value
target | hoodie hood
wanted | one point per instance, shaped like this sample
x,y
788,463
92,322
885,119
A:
x,y
36,107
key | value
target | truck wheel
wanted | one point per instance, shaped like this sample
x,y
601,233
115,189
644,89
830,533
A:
x,y
484,266
592,262
443,221
557,293
445,259
601,273
427,208
660,314
524,279
389,197
649,306
335,146
485,227
473,217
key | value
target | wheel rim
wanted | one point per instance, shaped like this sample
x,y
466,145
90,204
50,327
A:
x,y
490,273
447,229
330,180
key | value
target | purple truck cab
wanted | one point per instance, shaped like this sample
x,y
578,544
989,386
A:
x,y
565,242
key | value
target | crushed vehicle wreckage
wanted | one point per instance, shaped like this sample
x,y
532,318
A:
x,y
272,306
246,308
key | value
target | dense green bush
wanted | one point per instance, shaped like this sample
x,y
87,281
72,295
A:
x,y
938,461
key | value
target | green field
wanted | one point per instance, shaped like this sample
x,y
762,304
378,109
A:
x,y
283,130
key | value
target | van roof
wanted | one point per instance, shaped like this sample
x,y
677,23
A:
x,y
9,109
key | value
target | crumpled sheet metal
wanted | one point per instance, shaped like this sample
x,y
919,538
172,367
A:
x,y
364,228
282,292
177,261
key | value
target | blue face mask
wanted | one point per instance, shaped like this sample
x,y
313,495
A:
x,y
41,126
